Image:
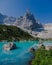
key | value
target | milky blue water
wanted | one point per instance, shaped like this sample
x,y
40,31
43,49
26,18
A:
x,y
47,43
20,56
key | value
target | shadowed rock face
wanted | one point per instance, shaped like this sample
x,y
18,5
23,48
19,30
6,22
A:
x,y
9,46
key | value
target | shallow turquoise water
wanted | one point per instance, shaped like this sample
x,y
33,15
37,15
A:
x,y
19,56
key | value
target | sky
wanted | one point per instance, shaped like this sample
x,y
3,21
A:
x,y
42,9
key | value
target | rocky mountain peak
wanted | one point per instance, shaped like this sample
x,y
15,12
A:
x,y
29,15
27,21
28,12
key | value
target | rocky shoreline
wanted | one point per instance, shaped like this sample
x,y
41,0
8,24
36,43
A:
x,y
40,46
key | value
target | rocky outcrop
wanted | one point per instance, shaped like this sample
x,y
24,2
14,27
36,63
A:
x,y
9,46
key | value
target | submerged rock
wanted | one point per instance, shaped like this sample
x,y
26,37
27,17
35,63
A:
x,y
9,46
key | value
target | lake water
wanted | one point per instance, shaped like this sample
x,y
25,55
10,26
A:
x,y
47,43
20,56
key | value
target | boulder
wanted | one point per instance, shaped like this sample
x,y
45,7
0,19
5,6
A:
x,y
48,48
39,45
9,46
32,49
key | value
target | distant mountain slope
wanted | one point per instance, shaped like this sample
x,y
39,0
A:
x,y
7,20
13,33
2,17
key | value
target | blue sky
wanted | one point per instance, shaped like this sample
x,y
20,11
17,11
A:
x,y
42,9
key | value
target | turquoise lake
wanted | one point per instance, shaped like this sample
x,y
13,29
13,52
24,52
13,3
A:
x,y
20,56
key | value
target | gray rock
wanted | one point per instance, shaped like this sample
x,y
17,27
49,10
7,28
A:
x,y
48,48
32,49
9,46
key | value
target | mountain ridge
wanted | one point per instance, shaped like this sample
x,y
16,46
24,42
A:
x,y
27,21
